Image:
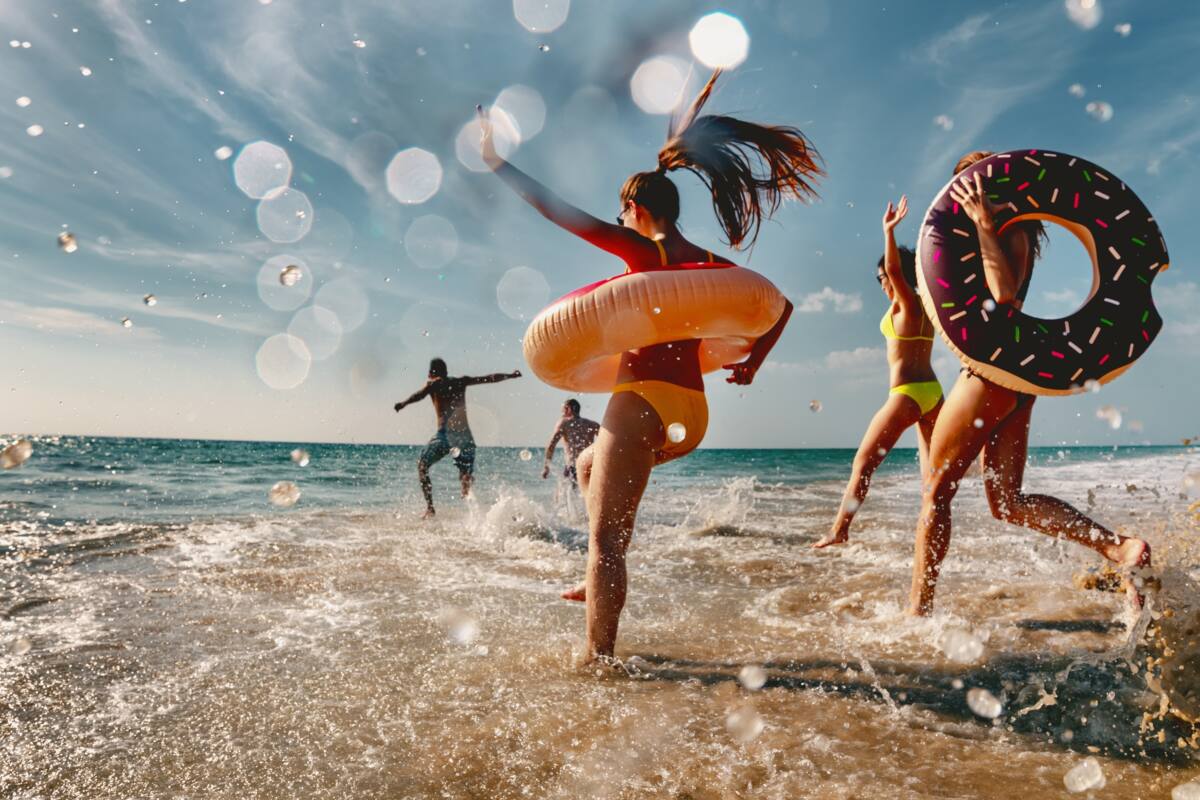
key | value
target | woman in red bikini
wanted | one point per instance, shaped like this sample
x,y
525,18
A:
x,y
749,169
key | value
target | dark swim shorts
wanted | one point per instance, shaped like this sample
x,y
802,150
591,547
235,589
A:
x,y
443,443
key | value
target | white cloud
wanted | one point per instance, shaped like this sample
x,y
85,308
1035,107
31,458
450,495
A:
x,y
943,47
817,302
67,322
843,363
1066,297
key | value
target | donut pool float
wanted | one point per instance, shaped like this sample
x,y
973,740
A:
x,y
999,342
576,342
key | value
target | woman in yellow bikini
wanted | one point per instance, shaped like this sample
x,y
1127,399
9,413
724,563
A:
x,y
916,395
749,169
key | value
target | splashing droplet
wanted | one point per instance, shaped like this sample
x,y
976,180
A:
x,y
676,432
67,243
526,455
814,406
1085,776
984,703
1092,385
35,130
1099,110
223,153
290,275
126,322
85,72
150,300
1077,90
16,454
744,724
978,423
962,646
543,48
23,102
300,457
753,677
944,122
284,494
359,43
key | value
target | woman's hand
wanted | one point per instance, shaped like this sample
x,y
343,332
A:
x,y
893,214
743,373
974,201
487,140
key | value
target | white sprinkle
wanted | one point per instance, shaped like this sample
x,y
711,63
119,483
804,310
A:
x,y
1095,333
1075,347
1117,274
1027,359
970,278
1114,252
1066,327
968,256
983,313
1101,195
956,316
1122,215
1071,163
1153,266
1131,349
996,354
1112,301
1033,161
1054,196
961,232
1100,175
1078,372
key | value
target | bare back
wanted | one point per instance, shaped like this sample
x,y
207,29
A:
x,y
449,396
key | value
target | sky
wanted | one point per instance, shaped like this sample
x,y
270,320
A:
x,y
136,100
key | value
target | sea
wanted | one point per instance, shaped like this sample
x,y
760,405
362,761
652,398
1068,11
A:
x,y
166,631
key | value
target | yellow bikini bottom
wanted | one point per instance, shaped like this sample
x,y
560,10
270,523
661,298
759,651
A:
x,y
683,413
926,394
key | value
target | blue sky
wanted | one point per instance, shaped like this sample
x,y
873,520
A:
x,y
127,163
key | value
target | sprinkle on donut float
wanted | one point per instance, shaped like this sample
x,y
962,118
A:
x,y
1001,343
576,342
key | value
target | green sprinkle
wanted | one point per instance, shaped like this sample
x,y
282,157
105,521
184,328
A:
x,y
993,197
1087,177
1016,333
1145,315
1003,180
1138,242
1106,321
1044,328
1143,280
1042,174
947,305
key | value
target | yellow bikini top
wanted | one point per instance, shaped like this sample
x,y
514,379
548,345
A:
x,y
888,329
662,252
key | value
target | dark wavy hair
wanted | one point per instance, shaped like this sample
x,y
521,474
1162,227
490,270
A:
x,y
1035,230
908,265
748,168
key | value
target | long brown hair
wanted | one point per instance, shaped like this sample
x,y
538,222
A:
x,y
1034,229
748,168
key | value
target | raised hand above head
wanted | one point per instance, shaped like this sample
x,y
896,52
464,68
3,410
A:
x,y
894,214
969,193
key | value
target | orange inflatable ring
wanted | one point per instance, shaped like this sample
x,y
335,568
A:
x,y
576,342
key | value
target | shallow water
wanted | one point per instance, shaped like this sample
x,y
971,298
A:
x,y
165,632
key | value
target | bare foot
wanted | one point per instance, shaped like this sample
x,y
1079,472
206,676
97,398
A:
x,y
578,594
1135,577
429,513
832,538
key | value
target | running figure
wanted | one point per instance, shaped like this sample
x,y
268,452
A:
x,y
748,169
916,395
983,416
453,434
577,434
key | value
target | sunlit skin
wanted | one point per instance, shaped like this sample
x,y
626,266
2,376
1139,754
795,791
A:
x,y
908,362
576,433
449,396
614,471
1001,434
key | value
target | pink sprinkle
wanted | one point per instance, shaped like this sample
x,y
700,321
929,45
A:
x,y
1104,359
937,254
1145,335
974,297
1076,200
1101,223
1057,354
1045,375
1033,152
943,284
1005,167
1010,313
964,334
1021,188
956,208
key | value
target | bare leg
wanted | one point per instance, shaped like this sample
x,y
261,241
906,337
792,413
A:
x,y
426,487
955,443
896,416
622,458
583,469
1004,475
466,478
924,435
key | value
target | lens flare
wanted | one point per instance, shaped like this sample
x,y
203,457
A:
x,y
346,299
719,41
522,292
319,329
525,107
431,241
414,176
280,283
504,133
658,83
285,216
541,16
262,169
283,362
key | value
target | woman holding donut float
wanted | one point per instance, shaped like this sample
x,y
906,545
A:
x,y
977,250
916,396
647,336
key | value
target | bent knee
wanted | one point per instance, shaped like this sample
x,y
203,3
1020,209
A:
x,y
1007,506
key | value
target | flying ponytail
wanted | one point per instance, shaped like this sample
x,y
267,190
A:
x,y
749,169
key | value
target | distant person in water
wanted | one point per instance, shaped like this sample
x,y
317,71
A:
x,y
453,434
577,434
916,396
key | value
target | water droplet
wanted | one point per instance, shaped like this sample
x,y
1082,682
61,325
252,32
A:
x,y
850,204
67,243
753,677
1123,29
989,305
6,173
852,505
944,122
814,406
978,423
1077,90
455,452
1111,415
961,646
984,703
300,457
461,627
522,292
744,724
283,361
1085,776
85,72
676,432
290,275
262,169
543,48
284,494
222,153
16,454
1091,385
21,646
359,43
126,322
1186,791
150,300
1099,110
526,455
657,310
421,51
35,130
23,102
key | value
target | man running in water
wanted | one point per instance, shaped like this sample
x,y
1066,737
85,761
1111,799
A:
x,y
577,433
453,434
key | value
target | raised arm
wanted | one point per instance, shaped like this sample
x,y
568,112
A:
x,y
1003,271
420,394
495,377
743,373
550,449
904,294
624,243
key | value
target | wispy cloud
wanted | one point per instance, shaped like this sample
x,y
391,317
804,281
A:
x,y
69,322
829,298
